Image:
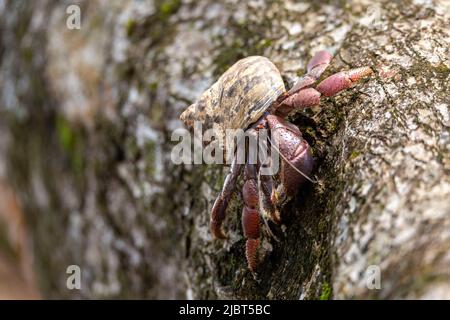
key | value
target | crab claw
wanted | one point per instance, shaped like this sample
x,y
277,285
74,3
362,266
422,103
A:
x,y
297,158
342,80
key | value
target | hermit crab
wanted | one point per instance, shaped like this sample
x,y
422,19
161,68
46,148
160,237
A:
x,y
251,95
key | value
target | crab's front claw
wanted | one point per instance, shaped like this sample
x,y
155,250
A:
x,y
342,80
297,161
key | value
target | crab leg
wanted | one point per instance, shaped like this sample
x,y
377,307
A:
x,y
250,215
342,80
302,95
218,211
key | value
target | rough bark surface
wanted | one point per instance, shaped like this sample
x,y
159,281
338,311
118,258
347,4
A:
x,y
86,118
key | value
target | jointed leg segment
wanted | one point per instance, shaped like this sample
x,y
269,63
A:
x,y
218,211
250,215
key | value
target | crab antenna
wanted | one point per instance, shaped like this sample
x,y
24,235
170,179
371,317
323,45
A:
x,y
290,163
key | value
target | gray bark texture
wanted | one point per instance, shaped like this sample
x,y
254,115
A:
x,y
86,118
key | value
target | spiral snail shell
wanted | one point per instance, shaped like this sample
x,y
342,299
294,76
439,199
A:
x,y
238,98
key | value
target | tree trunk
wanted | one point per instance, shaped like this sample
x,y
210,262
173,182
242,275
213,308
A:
x,y
86,123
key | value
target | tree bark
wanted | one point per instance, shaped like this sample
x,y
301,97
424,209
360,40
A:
x,y
86,123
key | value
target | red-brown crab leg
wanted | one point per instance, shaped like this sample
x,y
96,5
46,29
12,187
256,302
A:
x,y
302,95
296,150
342,80
250,215
218,211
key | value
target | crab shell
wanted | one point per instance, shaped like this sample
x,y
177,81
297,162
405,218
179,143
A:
x,y
238,99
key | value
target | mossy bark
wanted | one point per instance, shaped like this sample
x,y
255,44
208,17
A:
x,y
88,116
